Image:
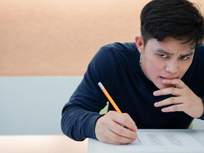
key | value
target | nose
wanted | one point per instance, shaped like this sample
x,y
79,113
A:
x,y
172,67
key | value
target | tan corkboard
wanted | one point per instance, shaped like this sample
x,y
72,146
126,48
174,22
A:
x,y
51,37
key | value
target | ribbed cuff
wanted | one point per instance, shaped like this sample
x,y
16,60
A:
x,y
90,131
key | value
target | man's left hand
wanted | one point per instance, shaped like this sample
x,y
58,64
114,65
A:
x,y
184,99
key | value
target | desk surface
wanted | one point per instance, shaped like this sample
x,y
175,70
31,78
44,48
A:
x,y
156,141
53,143
41,144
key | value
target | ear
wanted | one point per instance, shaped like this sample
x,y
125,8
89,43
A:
x,y
139,41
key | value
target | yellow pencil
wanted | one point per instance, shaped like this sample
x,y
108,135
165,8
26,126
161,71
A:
x,y
109,97
111,100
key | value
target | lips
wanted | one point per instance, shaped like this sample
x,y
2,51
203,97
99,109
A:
x,y
168,78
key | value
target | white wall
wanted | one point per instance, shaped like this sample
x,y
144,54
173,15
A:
x,y
32,105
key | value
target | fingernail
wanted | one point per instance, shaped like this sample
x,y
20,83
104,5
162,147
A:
x,y
155,93
156,104
163,110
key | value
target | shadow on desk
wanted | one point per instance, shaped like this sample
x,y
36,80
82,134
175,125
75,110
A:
x,y
41,144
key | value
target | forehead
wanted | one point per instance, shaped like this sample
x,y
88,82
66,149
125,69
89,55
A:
x,y
170,45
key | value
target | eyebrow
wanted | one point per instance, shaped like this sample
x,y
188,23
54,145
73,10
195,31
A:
x,y
163,52
167,53
189,54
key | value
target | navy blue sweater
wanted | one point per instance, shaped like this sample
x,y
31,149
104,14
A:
x,y
117,67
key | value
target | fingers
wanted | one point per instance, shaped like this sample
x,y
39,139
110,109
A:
x,y
168,101
173,104
175,82
122,131
123,119
173,108
112,137
115,128
167,91
183,100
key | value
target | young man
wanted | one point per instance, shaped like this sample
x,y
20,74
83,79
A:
x,y
157,82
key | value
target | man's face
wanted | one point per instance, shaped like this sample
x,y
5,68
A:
x,y
167,59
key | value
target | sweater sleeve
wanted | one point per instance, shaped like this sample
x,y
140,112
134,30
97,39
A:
x,y
80,114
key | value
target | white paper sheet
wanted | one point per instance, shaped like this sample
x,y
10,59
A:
x,y
153,141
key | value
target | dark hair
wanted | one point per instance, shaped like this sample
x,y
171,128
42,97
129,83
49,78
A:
x,y
179,19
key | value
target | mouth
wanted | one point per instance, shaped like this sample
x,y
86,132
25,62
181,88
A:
x,y
168,78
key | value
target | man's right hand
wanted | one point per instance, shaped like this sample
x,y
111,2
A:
x,y
116,128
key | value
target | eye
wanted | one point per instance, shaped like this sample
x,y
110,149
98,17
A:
x,y
185,58
164,56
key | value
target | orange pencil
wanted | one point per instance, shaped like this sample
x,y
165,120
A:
x,y
109,97
111,100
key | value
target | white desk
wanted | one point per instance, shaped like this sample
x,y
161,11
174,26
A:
x,y
41,144
156,141
63,144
